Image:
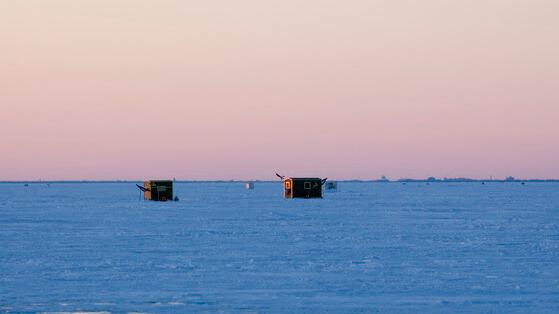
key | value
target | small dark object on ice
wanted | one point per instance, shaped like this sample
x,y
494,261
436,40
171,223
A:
x,y
331,186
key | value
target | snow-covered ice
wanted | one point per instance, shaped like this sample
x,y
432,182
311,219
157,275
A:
x,y
371,247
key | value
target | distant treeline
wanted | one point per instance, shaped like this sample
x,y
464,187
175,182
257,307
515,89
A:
x,y
382,180
471,180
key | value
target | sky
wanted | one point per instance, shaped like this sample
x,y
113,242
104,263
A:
x,y
138,89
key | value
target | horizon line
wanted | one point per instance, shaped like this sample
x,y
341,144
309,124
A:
x,y
431,179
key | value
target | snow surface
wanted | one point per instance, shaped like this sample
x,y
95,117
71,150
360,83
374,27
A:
x,y
370,247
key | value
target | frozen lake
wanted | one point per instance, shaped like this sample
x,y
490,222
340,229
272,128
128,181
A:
x,y
371,247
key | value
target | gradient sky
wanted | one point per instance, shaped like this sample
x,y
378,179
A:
x,y
134,89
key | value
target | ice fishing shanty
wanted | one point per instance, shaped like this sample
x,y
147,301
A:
x,y
302,187
157,190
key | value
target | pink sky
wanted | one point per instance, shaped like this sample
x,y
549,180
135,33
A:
x,y
108,89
